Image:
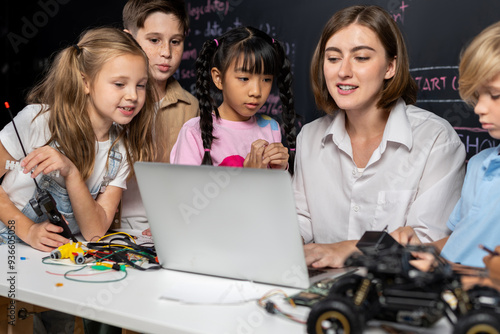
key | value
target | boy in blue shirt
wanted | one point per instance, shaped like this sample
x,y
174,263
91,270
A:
x,y
476,217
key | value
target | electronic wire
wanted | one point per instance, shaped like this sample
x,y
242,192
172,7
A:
x,y
272,308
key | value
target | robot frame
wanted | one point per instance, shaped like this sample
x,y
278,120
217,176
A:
x,y
394,290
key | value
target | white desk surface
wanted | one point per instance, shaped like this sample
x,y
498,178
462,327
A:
x,y
134,303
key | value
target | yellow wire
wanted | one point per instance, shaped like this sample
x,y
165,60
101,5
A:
x,y
115,245
104,264
108,235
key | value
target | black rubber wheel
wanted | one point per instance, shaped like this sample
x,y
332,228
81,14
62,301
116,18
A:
x,y
336,315
79,259
480,290
478,322
55,254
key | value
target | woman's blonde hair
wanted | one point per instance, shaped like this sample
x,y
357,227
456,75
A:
x,y
62,91
480,63
382,24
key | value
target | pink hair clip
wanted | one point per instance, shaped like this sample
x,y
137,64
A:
x,y
292,149
216,41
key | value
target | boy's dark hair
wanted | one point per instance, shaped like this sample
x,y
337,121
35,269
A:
x,y
260,54
136,12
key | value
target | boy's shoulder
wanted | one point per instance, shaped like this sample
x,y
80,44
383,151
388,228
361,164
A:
x,y
486,154
175,93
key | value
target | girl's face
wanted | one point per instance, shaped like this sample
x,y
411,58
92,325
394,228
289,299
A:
x,y
243,93
118,92
488,106
355,67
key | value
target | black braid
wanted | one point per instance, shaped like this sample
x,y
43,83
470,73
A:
x,y
203,78
284,83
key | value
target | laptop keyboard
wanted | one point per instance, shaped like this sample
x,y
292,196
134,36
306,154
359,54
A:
x,y
315,272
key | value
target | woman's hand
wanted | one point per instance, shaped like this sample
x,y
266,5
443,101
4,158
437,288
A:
x,y
47,159
276,156
406,235
329,255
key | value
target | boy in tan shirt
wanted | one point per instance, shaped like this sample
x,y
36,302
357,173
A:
x,y
160,27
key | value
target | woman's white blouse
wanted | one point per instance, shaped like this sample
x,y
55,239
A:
x,y
413,178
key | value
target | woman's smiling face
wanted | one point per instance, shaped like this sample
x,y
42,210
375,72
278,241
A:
x,y
355,68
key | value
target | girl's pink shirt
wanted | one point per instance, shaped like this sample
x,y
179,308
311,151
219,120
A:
x,y
233,142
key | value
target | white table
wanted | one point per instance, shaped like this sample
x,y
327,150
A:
x,y
135,302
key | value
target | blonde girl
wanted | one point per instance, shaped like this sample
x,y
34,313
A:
x,y
90,118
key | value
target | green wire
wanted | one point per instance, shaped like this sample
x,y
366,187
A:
x,y
86,281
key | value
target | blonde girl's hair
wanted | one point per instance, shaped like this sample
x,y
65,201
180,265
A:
x,y
479,63
62,92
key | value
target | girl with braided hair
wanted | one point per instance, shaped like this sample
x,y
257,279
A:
x,y
242,64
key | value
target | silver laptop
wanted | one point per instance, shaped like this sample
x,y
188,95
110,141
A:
x,y
231,222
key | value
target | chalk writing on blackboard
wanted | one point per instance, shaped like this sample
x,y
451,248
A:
x,y
475,140
397,10
438,84
216,6
221,8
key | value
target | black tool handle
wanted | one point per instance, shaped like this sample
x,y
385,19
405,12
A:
x,y
48,206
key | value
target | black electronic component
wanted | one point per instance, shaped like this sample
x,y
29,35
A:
x,y
121,250
44,203
270,307
376,241
393,289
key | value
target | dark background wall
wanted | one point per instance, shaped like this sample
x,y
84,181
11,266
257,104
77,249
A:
x,y
435,32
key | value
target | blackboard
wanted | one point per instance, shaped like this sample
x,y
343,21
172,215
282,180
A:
x,y
435,32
